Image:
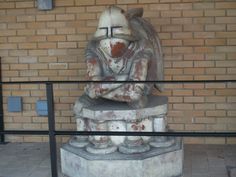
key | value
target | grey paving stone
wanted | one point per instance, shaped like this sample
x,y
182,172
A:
x,y
33,160
41,172
233,172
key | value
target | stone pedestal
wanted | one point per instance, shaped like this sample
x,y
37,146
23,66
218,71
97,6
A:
x,y
119,156
157,162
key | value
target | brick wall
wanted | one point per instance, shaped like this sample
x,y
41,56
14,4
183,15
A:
x,y
198,39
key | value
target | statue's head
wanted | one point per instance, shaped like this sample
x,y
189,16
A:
x,y
113,32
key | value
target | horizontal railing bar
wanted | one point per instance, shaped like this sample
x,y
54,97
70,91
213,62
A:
x,y
24,132
89,81
118,133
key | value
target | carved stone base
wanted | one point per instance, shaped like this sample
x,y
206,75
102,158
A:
x,y
162,142
79,142
157,162
95,150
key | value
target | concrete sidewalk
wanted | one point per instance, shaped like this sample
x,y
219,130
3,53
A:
x,y
33,160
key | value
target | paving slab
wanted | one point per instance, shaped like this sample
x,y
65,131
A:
x,y
33,160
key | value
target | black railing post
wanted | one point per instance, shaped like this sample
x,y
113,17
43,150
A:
x,y
2,137
51,125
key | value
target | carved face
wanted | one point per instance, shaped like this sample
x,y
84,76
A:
x,y
114,47
113,32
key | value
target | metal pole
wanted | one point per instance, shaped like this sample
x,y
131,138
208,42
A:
x,y
2,137
51,125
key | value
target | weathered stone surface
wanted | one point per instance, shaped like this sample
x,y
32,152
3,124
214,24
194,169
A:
x,y
111,110
158,162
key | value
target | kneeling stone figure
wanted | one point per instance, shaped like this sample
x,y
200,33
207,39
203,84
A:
x,y
125,47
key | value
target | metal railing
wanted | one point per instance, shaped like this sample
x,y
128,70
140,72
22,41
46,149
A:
x,y
52,132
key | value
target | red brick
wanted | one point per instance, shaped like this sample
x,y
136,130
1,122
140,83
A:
x,y
8,46
204,49
36,25
203,20
226,49
231,42
159,7
75,9
182,77
67,45
194,99
194,57
29,4
7,5
226,92
171,42
181,21
215,56
215,99
165,1
194,86
203,5
65,17
225,5
66,31
162,21
84,2
47,45
226,20
194,71
171,28
27,46
192,13
63,3
231,12
126,1
231,70
16,25
18,53
173,71
25,18
215,42
193,42
181,6
204,92
183,106
16,39
56,38
106,2
205,106
171,13
7,32
182,35
215,27
182,92
182,49
194,27
214,13
26,32
46,31
204,34
204,77
215,71
225,34
7,19
50,17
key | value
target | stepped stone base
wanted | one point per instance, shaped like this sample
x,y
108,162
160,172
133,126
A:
x,y
157,162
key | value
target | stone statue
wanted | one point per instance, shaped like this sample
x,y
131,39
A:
x,y
125,47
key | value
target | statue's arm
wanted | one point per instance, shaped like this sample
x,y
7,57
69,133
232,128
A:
x,y
131,91
94,73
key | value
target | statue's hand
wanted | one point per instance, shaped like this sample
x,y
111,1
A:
x,y
93,90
